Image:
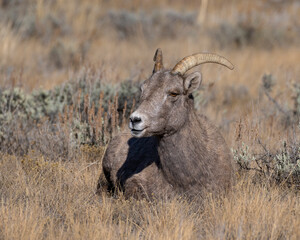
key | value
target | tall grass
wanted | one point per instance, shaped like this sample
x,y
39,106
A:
x,y
41,199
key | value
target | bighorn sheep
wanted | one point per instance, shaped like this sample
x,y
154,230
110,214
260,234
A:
x,y
172,149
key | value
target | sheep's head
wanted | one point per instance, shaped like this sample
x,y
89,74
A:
x,y
167,95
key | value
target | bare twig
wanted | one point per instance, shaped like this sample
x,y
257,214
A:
x,y
276,104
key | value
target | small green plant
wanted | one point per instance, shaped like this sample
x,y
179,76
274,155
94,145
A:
x,y
281,166
287,163
243,157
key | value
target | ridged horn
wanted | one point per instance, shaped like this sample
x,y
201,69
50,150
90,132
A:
x,y
199,58
158,59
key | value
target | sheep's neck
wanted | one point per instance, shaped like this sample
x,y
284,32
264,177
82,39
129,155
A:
x,y
181,153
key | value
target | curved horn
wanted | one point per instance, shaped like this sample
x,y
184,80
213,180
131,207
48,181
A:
x,y
196,59
158,59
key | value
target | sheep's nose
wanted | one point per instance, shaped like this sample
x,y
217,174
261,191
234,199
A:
x,y
135,119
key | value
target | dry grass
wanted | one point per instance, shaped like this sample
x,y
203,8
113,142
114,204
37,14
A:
x,y
47,39
45,200
49,192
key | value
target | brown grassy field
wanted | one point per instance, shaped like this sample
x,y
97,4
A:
x,y
81,52
46,200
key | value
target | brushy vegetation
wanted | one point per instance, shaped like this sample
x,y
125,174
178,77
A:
x,y
81,111
70,76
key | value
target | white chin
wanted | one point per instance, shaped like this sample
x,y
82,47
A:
x,y
137,133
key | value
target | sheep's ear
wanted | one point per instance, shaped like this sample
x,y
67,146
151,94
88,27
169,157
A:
x,y
192,82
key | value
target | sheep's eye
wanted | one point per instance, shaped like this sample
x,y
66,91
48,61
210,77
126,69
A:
x,y
173,94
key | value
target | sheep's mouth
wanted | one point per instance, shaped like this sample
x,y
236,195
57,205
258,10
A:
x,y
137,132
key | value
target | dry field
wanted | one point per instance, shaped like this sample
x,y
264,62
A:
x,y
69,76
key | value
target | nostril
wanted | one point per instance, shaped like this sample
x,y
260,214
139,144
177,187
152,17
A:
x,y
134,120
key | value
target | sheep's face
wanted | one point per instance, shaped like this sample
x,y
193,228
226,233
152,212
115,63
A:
x,y
164,104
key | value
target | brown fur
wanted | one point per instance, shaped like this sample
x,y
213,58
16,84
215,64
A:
x,y
176,151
